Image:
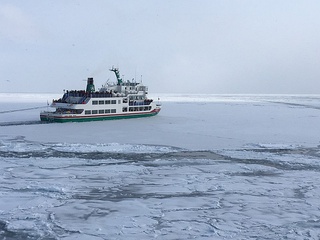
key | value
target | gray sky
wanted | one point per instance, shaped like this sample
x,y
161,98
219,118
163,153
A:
x,y
178,46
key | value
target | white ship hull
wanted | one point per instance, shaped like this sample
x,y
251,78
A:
x,y
100,109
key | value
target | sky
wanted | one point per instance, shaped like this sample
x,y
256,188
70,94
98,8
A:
x,y
176,46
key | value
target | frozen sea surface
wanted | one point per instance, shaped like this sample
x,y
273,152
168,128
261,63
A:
x,y
207,167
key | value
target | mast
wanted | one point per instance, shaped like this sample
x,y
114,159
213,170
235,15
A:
x,y
117,73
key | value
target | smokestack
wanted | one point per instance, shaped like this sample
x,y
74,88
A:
x,y
90,85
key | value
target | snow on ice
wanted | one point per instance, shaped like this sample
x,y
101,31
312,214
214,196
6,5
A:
x,y
206,167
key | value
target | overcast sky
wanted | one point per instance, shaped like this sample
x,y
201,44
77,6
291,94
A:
x,y
178,46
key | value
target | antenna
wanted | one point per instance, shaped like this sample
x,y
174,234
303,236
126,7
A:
x,y
135,73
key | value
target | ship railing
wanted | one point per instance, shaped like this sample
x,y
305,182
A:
x,y
85,96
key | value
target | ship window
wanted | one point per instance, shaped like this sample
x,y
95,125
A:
x,y
113,110
125,109
131,109
107,111
113,102
125,100
94,111
87,112
119,101
149,107
78,111
101,102
94,102
101,111
107,101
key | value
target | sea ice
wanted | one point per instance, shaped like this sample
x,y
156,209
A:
x,y
206,167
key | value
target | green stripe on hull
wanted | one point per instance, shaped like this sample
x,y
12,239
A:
x,y
87,119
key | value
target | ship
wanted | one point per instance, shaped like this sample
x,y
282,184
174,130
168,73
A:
x,y
119,100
